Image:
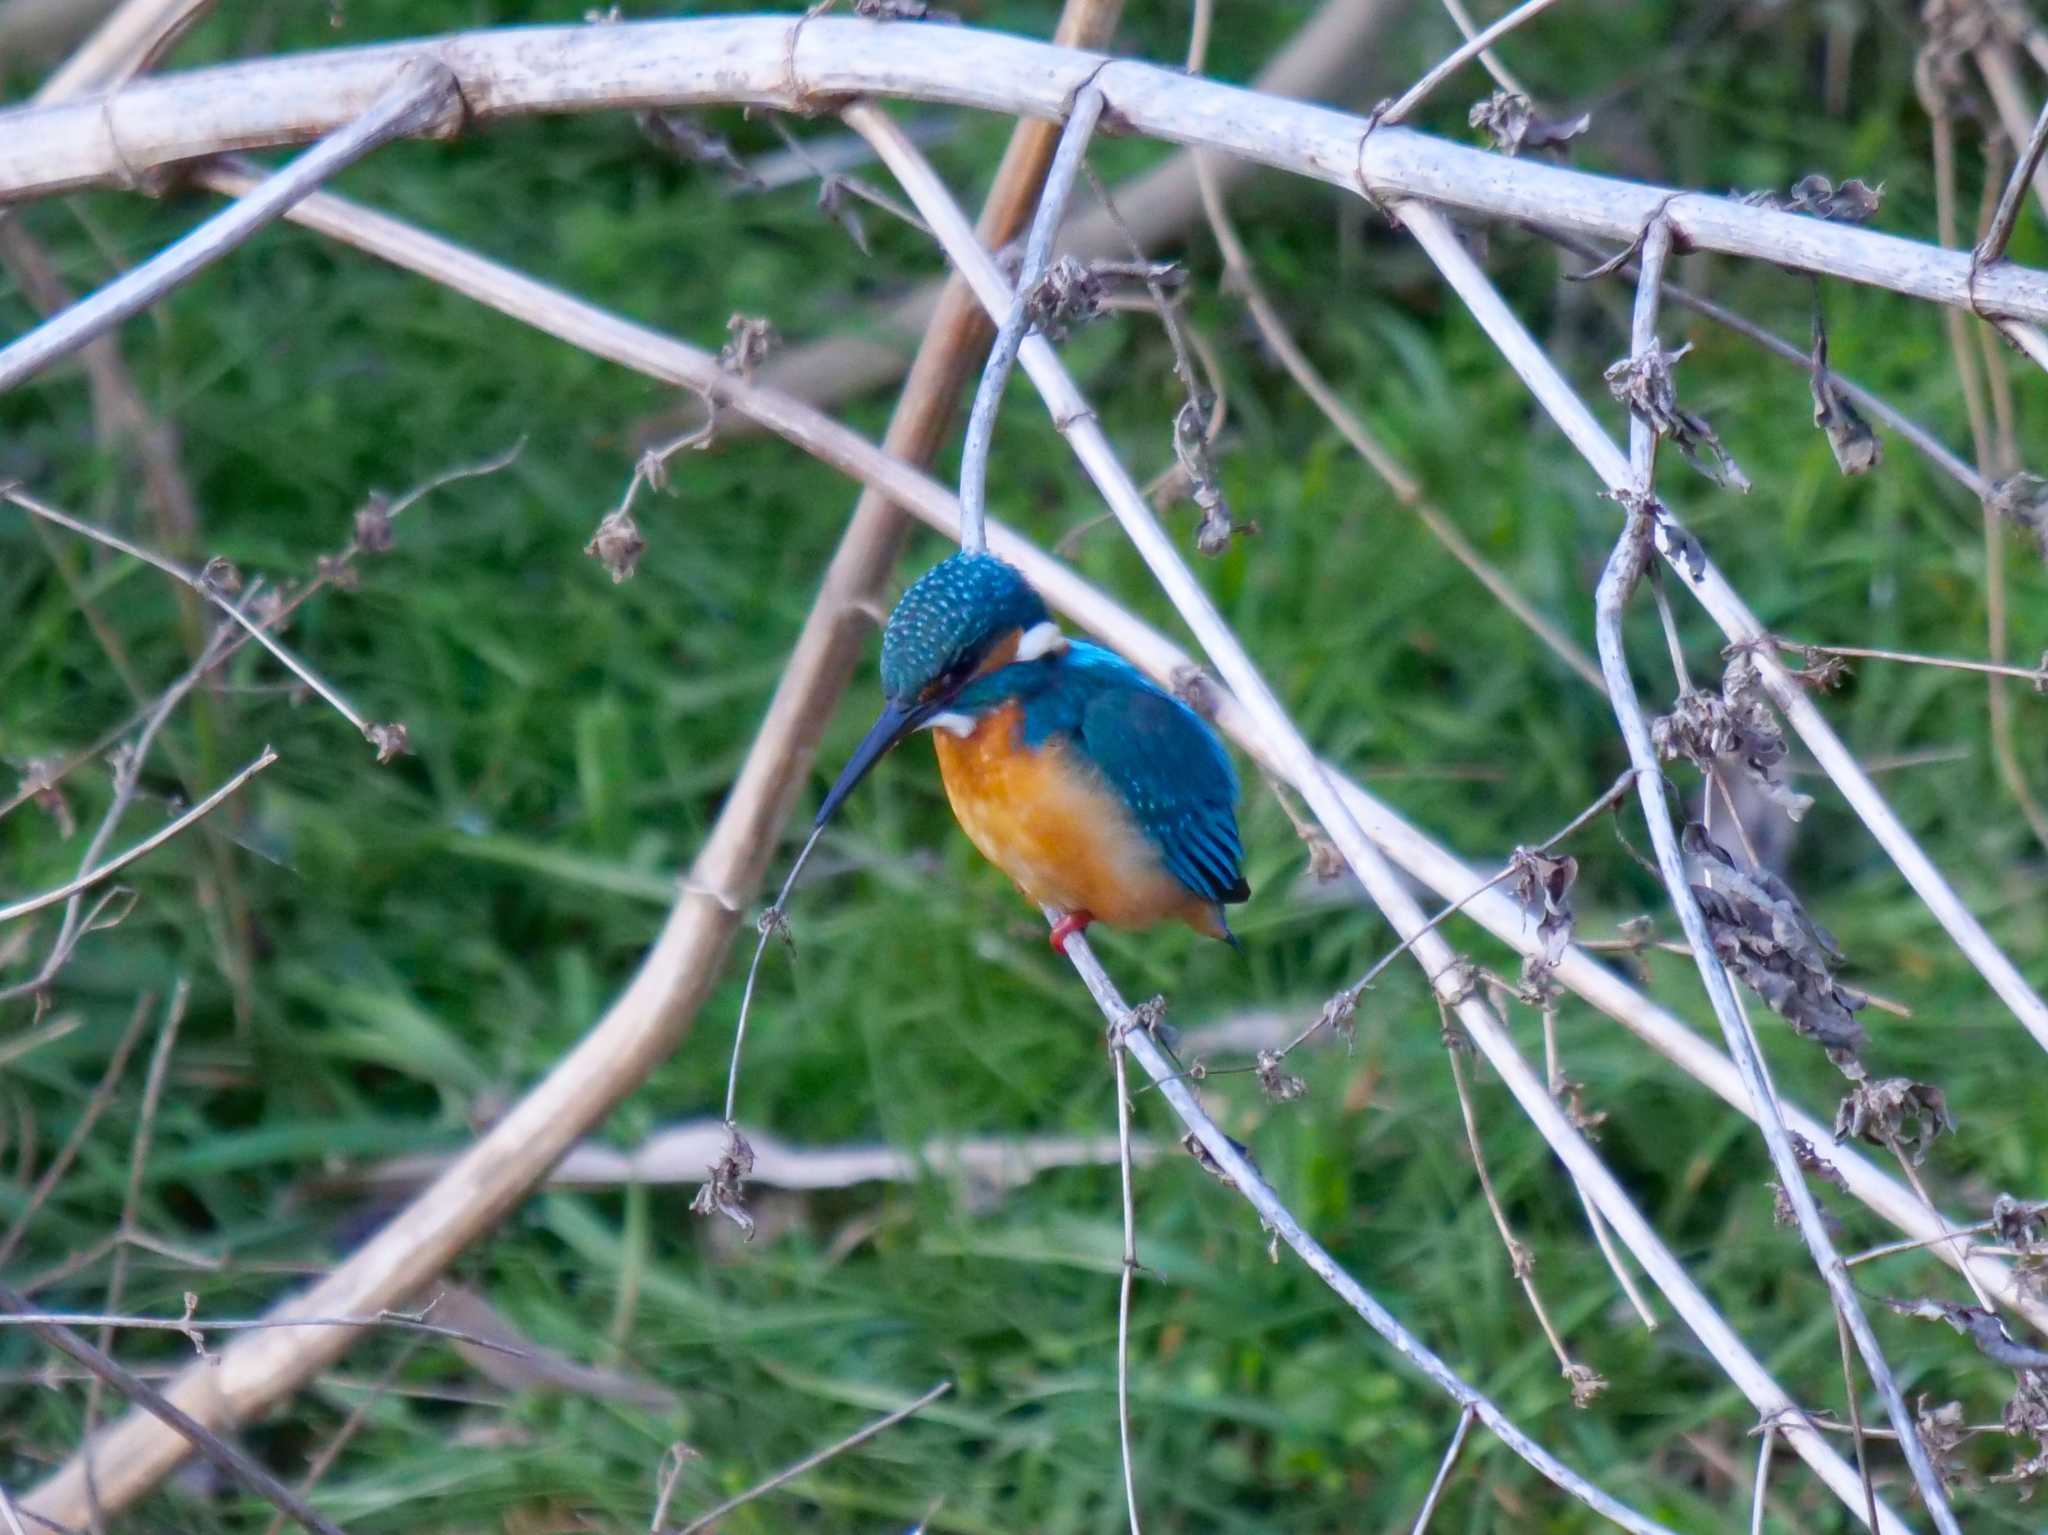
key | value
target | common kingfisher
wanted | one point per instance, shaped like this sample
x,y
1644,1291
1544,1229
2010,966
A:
x,y
1098,793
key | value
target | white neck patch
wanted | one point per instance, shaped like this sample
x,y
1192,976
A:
x,y
1041,640
961,725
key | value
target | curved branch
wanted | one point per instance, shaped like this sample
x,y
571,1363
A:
x,y
802,63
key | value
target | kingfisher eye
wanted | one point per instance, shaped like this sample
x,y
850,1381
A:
x,y
951,679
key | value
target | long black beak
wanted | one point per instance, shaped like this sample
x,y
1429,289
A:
x,y
898,720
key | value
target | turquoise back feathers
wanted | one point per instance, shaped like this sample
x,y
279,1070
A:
x,y
1162,759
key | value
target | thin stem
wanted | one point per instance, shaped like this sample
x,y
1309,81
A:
x,y
817,1458
1406,489
198,584
1961,1246
1520,1260
1642,435
1130,1270
1913,1244
1856,1415
1433,231
1443,1473
1763,1480
423,93
233,1462
1474,46
1992,247
1229,1157
1488,59
1624,570
141,849
1919,437
195,1328
1002,357
1289,753
2034,674
773,920
1617,792
96,1105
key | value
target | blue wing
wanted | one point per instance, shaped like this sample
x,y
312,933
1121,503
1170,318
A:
x,y
1160,757
1168,766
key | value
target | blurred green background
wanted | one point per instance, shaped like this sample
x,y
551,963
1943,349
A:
x,y
381,959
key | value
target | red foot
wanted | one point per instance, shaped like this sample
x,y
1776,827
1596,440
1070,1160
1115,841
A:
x,y
1073,922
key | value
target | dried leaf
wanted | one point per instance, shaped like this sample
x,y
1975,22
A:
x,y
617,544
684,135
392,740
1340,1016
1543,884
1191,453
1943,1431
1070,294
373,524
1810,1159
2022,499
1988,1333
1853,202
1513,123
1280,1086
1855,445
220,576
1895,1111
2020,1223
726,1192
1763,935
1585,1384
836,205
1703,728
39,781
749,340
1643,383
1192,1144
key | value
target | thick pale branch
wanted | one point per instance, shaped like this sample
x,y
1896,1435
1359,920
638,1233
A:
x,y
801,63
1077,422
1624,571
253,1382
422,96
891,481
1713,592
1230,1160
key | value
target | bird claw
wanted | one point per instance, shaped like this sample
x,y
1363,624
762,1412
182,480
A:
x,y
1073,922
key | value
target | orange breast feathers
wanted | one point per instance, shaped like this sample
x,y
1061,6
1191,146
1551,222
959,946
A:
x,y
1046,818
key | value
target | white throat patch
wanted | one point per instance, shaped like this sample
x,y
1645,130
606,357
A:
x,y
1041,640
961,725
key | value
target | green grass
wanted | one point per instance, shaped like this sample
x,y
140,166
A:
x,y
424,940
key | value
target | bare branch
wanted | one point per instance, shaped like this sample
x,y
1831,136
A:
x,y
141,849
810,1462
774,61
232,1462
1443,1473
988,396
1710,587
1528,10
422,97
1117,1053
211,590
1624,571
1288,751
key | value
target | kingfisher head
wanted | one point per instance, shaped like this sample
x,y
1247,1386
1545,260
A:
x,y
965,616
